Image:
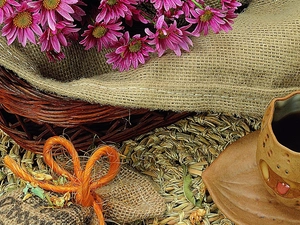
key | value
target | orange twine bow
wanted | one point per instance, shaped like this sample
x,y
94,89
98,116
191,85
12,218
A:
x,y
81,183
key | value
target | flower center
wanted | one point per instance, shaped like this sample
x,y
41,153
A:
x,y
99,31
135,46
51,4
206,16
23,20
111,2
161,35
2,3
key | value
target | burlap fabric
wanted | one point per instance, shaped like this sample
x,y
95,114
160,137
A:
x,y
235,72
129,197
15,211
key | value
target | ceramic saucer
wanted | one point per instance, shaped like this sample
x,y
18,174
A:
x,y
236,186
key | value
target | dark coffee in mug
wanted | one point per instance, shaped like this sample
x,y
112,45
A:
x,y
287,131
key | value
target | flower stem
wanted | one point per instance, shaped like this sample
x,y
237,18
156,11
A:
x,y
197,4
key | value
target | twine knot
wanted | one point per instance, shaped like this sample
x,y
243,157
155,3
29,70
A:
x,y
80,182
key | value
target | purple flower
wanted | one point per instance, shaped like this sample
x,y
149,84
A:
x,y
102,35
52,40
229,7
169,37
206,18
50,9
6,9
129,52
171,14
228,19
112,10
55,56
131,29
78,11
230,4
22,24
166,4
137,15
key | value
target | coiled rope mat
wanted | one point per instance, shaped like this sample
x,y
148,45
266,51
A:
x,y
174,158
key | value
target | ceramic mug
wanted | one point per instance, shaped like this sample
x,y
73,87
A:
x,y
278,149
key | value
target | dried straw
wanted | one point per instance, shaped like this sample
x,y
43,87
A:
x,y
194,143
167,155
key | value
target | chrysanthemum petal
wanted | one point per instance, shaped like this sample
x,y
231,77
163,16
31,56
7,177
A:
x,y
55,43
65,7
37,29
62,39
30,35
12,38
65,14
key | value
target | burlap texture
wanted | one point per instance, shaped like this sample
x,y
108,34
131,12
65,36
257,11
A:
x,y
236,72
15,211
129,197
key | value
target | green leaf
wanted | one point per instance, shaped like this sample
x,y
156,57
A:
x,y
26,188
186,189
38,192
47,197
187,183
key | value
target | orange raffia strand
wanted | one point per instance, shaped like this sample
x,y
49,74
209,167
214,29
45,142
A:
x,y
80,182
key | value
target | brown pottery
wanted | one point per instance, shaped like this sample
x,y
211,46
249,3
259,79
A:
x,y
278,149
256,180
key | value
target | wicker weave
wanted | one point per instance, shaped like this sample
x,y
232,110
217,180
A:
x,y
30,116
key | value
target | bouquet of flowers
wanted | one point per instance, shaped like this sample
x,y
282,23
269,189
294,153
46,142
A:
x,y
131,29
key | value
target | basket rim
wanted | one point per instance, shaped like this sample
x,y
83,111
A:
x,y
30,117
19,97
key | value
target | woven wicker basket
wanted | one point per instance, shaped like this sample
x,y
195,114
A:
x,y
30,116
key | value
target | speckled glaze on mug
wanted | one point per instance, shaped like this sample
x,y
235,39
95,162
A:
x,y
278,149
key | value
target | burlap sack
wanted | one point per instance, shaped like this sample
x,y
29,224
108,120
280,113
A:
x,y
235,72
15,211
129,197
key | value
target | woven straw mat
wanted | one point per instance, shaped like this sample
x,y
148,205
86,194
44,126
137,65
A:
x,y
235,72
167,156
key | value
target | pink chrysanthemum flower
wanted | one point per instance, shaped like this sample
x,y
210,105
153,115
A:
x,y
111,10
55,56
6,8
50,9
102,35
22,24
171,14
228,19
230,4
52,40
129,52
189,5
137,15
78,11
206,18
166,4
169,37
229,7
